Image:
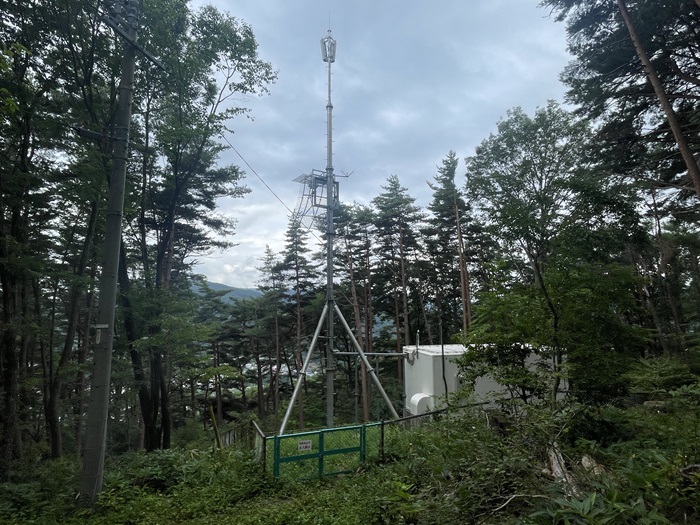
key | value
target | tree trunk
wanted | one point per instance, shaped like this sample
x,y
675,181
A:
x,y
463,276
145,398
674,124
404,291
424,313
165,419
361,333
297,350
13,238
369,332
79,389
557,353
259,379
11,441
54,374
278,369
218,398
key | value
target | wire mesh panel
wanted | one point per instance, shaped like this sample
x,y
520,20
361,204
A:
x,y
324,452
297,455
373,441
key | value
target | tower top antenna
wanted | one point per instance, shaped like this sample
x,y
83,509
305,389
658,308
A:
x,y
328,48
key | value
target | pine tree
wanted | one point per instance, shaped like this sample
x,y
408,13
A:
x,y
445,237
298,276
396,225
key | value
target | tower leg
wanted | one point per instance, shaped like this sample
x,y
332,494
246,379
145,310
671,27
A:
x,y
371,370
304,368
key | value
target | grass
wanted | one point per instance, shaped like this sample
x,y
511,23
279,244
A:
x,y
455,470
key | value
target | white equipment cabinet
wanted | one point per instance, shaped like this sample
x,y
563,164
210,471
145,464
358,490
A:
x,y
423,376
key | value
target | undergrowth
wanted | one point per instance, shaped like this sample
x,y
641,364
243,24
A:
x,y
639,470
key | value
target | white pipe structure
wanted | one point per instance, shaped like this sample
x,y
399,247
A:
x,y
328,55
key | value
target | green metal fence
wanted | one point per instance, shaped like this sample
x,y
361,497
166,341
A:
x,y
323,452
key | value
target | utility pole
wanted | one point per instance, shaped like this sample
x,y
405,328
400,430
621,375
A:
x,y
98,408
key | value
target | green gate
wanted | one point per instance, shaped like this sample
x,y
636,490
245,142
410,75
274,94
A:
x,y
324,452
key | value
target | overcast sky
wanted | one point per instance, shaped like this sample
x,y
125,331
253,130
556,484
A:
x,y
413,79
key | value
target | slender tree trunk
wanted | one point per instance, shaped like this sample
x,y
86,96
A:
x,y
79,404
13,238
278,369
165,419
369,331
361,333
404,291
557,352
424,313
193,397
156,432
11,440
55,373
27,345
259,379
13,304
297,349
145,398
397,314
463,276
674,124
217,387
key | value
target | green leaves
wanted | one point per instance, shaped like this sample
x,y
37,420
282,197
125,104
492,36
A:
x,y
608,83
521,178
659,375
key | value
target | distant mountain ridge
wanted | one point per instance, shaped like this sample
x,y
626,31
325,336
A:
x,y
232,293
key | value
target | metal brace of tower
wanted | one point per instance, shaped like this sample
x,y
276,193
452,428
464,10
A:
x,y
313,181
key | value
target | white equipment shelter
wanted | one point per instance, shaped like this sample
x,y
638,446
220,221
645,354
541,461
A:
x,y
424,381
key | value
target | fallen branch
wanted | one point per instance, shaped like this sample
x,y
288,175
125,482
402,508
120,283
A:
x,y
511,498
690,470
557,465
517,496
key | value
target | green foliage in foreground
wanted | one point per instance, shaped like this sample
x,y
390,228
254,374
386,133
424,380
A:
x,y
454,470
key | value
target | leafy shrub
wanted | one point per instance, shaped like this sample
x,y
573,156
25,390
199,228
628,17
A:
x,y
658,375
46,488
596,509
454,470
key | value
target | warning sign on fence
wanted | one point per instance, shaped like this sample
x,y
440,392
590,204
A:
x,y
304,444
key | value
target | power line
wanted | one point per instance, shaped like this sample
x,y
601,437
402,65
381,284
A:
x,y
256,174
265,183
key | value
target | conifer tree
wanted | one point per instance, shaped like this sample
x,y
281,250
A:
x,y
396,226
298,276
445,236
